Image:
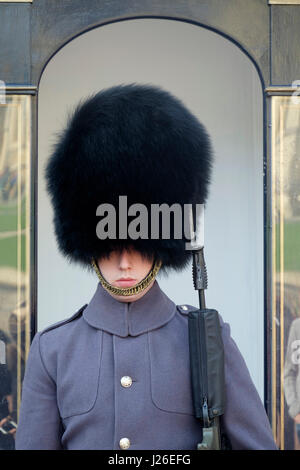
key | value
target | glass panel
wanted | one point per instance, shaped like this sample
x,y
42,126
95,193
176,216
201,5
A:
x,y
286,271
14,257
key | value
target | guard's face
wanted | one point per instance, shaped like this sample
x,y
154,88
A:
x,y
125,269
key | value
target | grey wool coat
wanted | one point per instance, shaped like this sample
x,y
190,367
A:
x,y
116,376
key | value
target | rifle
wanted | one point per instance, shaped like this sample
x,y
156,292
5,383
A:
x,y
206,353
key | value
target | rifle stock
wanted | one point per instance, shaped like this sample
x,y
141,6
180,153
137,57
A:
x,y
207,374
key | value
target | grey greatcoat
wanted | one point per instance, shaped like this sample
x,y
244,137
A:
x,y
116,375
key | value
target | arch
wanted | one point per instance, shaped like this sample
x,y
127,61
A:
x,y
161,17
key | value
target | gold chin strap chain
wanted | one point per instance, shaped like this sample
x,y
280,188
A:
x,y
129,290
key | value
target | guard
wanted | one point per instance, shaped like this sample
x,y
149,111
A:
x,y
116,375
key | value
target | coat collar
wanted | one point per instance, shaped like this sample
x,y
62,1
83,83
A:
x,y
151,311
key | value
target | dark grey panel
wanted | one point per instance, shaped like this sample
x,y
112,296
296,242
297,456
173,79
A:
x,y
55,22
15,42
285,44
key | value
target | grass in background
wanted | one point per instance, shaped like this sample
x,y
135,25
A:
x,y
291,246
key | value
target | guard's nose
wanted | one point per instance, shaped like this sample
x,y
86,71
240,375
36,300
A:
x,y
125,260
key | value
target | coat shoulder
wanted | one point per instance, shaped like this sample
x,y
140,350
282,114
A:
x,y
70,319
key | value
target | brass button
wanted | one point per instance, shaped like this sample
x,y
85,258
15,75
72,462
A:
x,y
184,307
126,381
124,443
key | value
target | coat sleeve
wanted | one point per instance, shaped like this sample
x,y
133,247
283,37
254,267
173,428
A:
x,y
245,421
39,426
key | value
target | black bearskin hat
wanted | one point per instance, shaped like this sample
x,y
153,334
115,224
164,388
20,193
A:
x,y
134,140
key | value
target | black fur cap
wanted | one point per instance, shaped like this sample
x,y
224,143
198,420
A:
x,y
132,139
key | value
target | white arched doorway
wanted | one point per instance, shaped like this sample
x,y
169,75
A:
x,y
220,84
